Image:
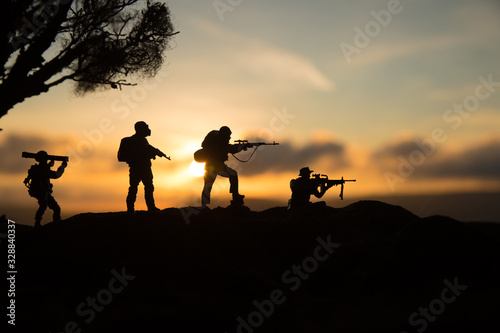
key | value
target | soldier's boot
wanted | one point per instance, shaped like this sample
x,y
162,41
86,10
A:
x,y
205,194
130,208
39,215
150,202
131,200
237,199
56,217
205,199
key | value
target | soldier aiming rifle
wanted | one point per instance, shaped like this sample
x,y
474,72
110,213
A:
x,y
305,186
38,182
214,153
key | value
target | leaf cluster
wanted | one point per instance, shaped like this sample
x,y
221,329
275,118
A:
x,y
98,44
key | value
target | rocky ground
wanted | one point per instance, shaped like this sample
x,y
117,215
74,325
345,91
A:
x,y
368,267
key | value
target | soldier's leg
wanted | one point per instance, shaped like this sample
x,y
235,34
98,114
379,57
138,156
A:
x,y
209,179
134,179
52,203
233,185
42,206
233,180
147,180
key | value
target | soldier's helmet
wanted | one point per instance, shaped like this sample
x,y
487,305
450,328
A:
x,y
41,156
305,172
225,130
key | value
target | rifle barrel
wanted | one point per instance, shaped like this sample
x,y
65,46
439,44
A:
x,y
274,143
337,181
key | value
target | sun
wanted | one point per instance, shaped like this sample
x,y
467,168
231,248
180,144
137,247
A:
x,y
197,169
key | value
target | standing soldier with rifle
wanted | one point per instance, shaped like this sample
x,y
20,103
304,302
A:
x,y
38,183
137,152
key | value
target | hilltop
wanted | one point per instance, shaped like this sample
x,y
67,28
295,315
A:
x,y
367,267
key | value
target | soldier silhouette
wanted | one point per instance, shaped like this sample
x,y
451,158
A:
x,y
216,148
137,152
302,189
39,186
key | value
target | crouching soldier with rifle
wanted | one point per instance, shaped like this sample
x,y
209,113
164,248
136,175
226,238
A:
x,y
305,186
38,183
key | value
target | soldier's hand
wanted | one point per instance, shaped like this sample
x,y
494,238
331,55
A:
x,y
241,147
64,164
159,153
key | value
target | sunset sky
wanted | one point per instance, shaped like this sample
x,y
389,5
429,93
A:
x,y
403,96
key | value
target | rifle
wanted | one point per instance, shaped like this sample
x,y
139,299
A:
x,y
255,144
49,157
247,145
161,154
325,183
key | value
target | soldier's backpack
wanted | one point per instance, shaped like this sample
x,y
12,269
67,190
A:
x,y
200,155
210,140
208,145
125,150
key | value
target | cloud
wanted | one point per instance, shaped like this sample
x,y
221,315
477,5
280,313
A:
x,y
286,158
13,145
381,53
404,147
463,28
265,61
478,22
274,63
482,161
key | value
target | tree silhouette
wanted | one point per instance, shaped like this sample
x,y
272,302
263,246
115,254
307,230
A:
x,y
95,43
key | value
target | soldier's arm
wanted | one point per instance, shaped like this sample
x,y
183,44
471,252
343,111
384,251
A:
x,y
319,194
314,190
59,172
153,152
233,149
28,178
160,153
